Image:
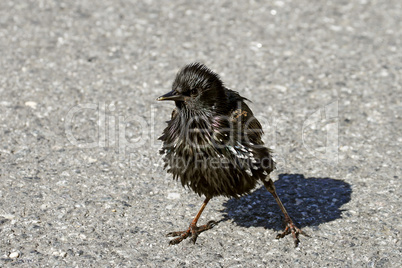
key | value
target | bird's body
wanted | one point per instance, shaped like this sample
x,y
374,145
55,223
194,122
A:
x,y
213,143
196,143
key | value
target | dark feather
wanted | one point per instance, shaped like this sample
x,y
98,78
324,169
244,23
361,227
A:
x,y
213,141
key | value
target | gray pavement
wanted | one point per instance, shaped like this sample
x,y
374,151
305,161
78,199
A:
x,y
81,180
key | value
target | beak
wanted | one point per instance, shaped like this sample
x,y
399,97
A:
x,y
172,95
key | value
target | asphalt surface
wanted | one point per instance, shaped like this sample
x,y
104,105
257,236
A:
x,y
81,180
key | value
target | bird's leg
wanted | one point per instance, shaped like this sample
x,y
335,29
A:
x,y
290,226
193,229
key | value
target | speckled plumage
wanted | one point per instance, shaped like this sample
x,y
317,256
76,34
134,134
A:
x,y
199,134
213,145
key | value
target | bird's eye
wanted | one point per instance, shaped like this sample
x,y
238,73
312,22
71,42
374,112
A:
x,y
194,91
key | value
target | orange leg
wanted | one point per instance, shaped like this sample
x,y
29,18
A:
x,y
193,229
290,226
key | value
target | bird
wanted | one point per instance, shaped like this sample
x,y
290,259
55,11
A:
x,y
213,145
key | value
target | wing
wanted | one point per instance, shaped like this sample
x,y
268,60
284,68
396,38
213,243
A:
x,y
243,118
240,133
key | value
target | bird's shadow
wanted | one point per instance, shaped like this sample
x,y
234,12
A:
x,y
309,201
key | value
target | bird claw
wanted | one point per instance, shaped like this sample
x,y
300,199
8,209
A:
x,y
174,234
192,231
294,230
210,225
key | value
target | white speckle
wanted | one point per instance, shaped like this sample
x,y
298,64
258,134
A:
x,y
31,104
187,45
173,196
5,103
65,173
63,254
241,147
279,3
335,28
92,160
248,171
265,173
169,207
233,150
255,46
384,73
14,255
273,12
280,87
8,216
61,183
60,41
287,53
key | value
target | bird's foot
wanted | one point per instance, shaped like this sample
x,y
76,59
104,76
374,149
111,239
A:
x,y
192,231
294,230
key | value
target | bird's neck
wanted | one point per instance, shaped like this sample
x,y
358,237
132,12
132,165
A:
x,y
194,114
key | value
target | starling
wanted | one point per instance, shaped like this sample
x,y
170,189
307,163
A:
x,y
212,143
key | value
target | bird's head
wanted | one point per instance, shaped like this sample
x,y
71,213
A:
x,y
196,88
